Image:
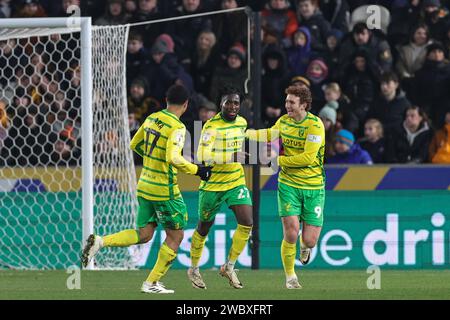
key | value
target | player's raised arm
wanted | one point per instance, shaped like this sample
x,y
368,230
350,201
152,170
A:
x,y
264,135
138,141
314,141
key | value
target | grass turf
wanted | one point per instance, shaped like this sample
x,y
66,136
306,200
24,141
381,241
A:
x,y
259,285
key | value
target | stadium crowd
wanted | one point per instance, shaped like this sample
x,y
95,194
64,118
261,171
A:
x,y
383,94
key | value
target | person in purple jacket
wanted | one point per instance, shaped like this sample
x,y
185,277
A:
x,y
347,151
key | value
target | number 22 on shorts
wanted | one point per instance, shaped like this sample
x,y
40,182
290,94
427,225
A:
x,y
243,193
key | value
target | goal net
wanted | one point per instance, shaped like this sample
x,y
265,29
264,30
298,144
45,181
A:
x,y
41,146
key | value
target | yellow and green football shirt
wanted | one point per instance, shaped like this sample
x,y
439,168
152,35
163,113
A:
x,y
159,141
219,140
304,148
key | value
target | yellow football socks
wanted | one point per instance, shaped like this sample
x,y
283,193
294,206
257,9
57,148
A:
x,y
288,251
123,238
240,239
165,258
197,245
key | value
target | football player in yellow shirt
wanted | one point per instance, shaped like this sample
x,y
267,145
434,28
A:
x,y
301,181
220,146
159,141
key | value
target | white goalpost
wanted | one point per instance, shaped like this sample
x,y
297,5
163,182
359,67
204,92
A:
x,y
66,169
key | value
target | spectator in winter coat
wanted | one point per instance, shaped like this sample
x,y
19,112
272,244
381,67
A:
x,y
137,57
233,73
317,73
404,14
148,11
230,27
345,118
204,61
309,15
435,17
411,57
378,49
185,31
163,71
31,9
347,151
328,116
440,145
409,142
389,107
331,53
360,84
280,21
373,141
337,12
139,103
114,15
432,83
273,83
300,52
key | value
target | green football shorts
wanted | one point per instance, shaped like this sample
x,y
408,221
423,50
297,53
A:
x,y
209,202
171,214
307,204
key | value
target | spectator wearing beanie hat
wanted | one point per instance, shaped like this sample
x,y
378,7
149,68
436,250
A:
x,y
232,73
139,103
163,70
347,151
237,51
317,73
301,82
167,39
328,115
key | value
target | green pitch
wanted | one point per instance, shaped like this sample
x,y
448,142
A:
x,y
261,284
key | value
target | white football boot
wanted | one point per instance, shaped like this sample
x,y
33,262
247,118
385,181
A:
x,y
155,287
229,272
196,278
93,245
305,253
292,283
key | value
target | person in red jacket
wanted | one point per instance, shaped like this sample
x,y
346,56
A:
x,y
280,21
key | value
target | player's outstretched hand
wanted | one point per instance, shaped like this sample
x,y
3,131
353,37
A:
x,y
204,172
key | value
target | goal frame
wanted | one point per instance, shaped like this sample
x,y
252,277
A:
x,y
84,26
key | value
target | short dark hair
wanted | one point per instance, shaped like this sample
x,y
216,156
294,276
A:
x,y
313,2
303,93
420,111
135,36
389,76
360,27
230,89
177,95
